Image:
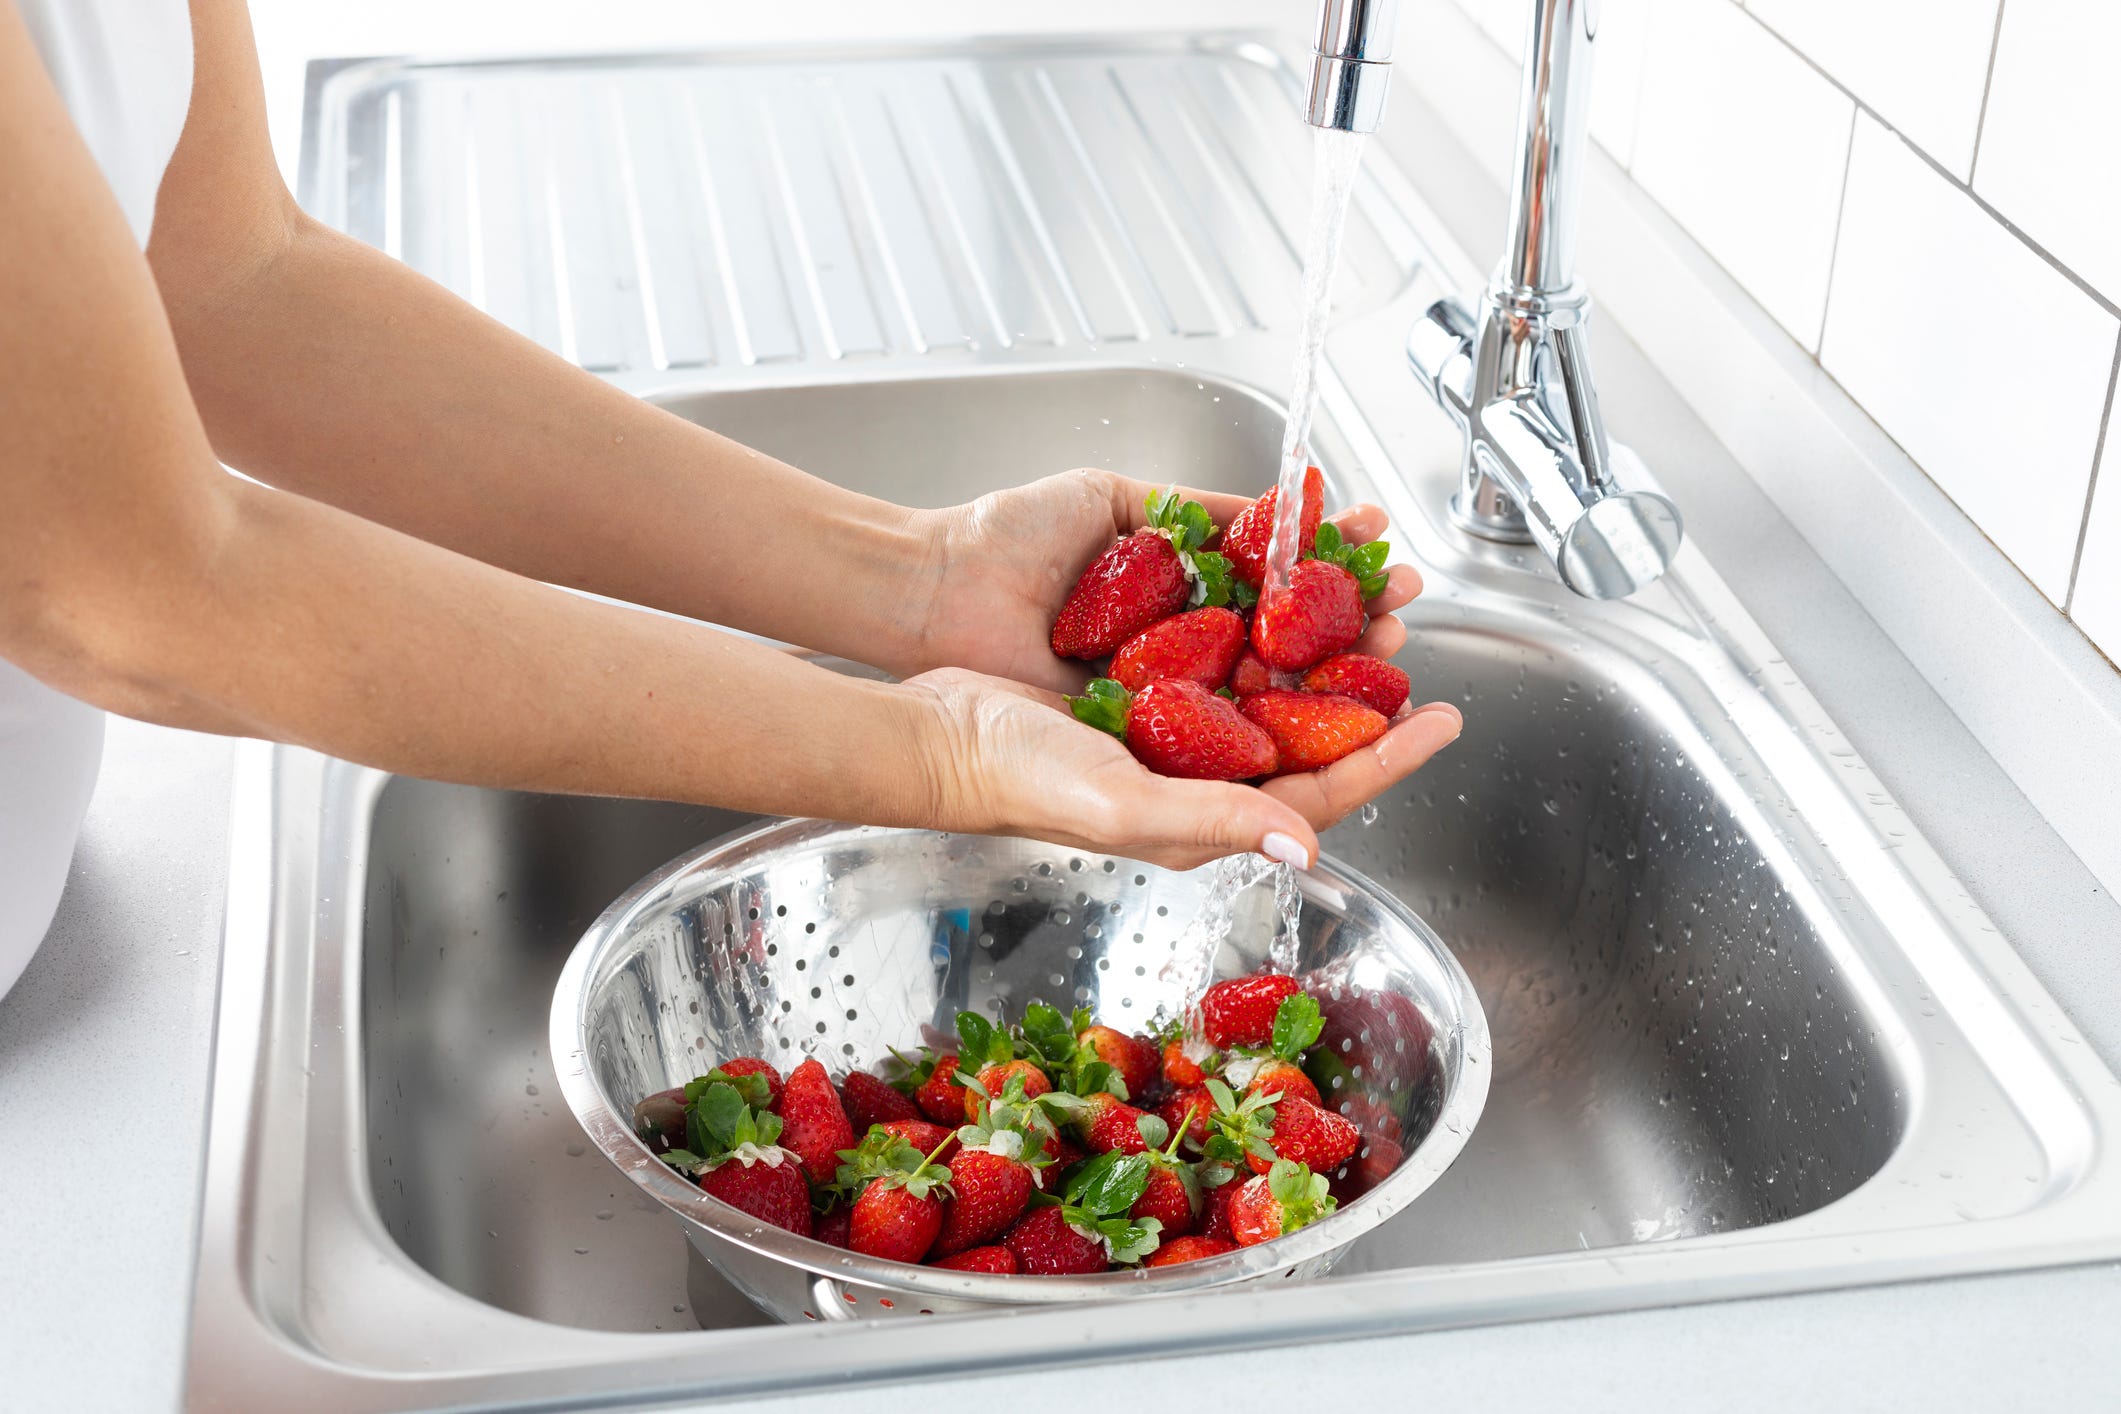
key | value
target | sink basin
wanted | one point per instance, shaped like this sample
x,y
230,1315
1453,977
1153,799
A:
x,y
1749,1034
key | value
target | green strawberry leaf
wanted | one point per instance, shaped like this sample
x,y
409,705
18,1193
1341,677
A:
x,y
1224,1097
1130,1240
684,1161
1328,544
1103,705
720,1109
1305,1197
1155,1133
1194,527
1212,579
1044,1033
1090,1076
1243,594
980,1044
1163,508
1109,1184
1297,1024
1373,585
1365,560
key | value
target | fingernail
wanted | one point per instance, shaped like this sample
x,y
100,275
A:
x,y
1444,709
1283,849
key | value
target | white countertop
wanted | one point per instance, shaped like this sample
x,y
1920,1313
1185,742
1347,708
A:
x,y
114,1017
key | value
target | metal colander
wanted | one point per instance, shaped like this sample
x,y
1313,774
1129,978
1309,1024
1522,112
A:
x,y
807,937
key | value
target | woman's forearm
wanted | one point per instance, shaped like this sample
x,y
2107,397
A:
x,y
340,374
307,625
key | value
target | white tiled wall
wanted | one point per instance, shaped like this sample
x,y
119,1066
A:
x,y
1927,195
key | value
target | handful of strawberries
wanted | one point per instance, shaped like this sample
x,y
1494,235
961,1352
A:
x,y
1056,1146
1206,679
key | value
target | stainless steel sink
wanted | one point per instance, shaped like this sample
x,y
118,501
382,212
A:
x,y
1750,1036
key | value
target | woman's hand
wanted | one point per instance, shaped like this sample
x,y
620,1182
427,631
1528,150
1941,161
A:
x,y
1003,758
1003,566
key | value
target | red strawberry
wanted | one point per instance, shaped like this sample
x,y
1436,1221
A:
x,y
988,1193
832,1224
1046,1244
1251,675
1373,1164
998,1260
1383,1032
1240,1012
1312,730
1285,1078
1180,1068
752,1065
1134,1057
898,1215
1278,1202
1179,728
1189,1249
996,1080
1129,587
928,1138
1173,1112
1064,1154
1245,543
813,1123
1371,681
1318,615
940,1100
1200,646
869,1100
1309,1135
1372,1116
1107,1122
1167,1200
1215,1212
771,1189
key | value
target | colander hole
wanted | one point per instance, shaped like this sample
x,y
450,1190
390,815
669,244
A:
x,y
784,1039
1060,917
1057,980
1075,866
816,992
821,1028
810,927
754,913
1139,970
1045,870
780,911
1104,964
810,1315
997,907
699,1043
787,1005
851,1013
1020,885
1075,954
986,940
848,980
1137,937
1083,994
833,951
1126,1001
1092,930
1141,879
884,1301
847,1048
773,949
1162,911
801,964
850,1298
1110,866
693,1006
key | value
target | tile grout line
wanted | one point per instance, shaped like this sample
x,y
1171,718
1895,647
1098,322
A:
x,y
1988,86
2091,487
2110,306
1833,259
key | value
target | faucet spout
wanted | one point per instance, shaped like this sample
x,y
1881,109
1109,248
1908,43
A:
x,y
1515,375
1350,64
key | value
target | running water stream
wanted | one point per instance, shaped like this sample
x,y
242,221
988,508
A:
x,y
1336,156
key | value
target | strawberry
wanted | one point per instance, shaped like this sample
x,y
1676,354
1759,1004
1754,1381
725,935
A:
x,y
1107,1123
1241,1011
1383,1032
869,1100
1371,681
1200,646
1147,576
1312,730
660,1119
1179,728
1189,1249
1062,1154
938,1098
900,1209
769,1186
994,1080
1309,1134
752,1065
1372,1116
926,1137
1245,543
998,1260
1133,1057
1251,675
1045,1243
832,1224
1270,1205
1215,1213
1193,1101
1181,1067
989,1191
1318,615
1284,1080
1373,1164
813,1122
1168,1199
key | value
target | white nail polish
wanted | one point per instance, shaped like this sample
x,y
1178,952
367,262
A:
x,y
1283,849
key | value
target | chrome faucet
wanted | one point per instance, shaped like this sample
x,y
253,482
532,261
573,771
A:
x,y
1516,375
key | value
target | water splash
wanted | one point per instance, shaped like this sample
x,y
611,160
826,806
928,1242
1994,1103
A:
x,y
1336,156
1193,954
